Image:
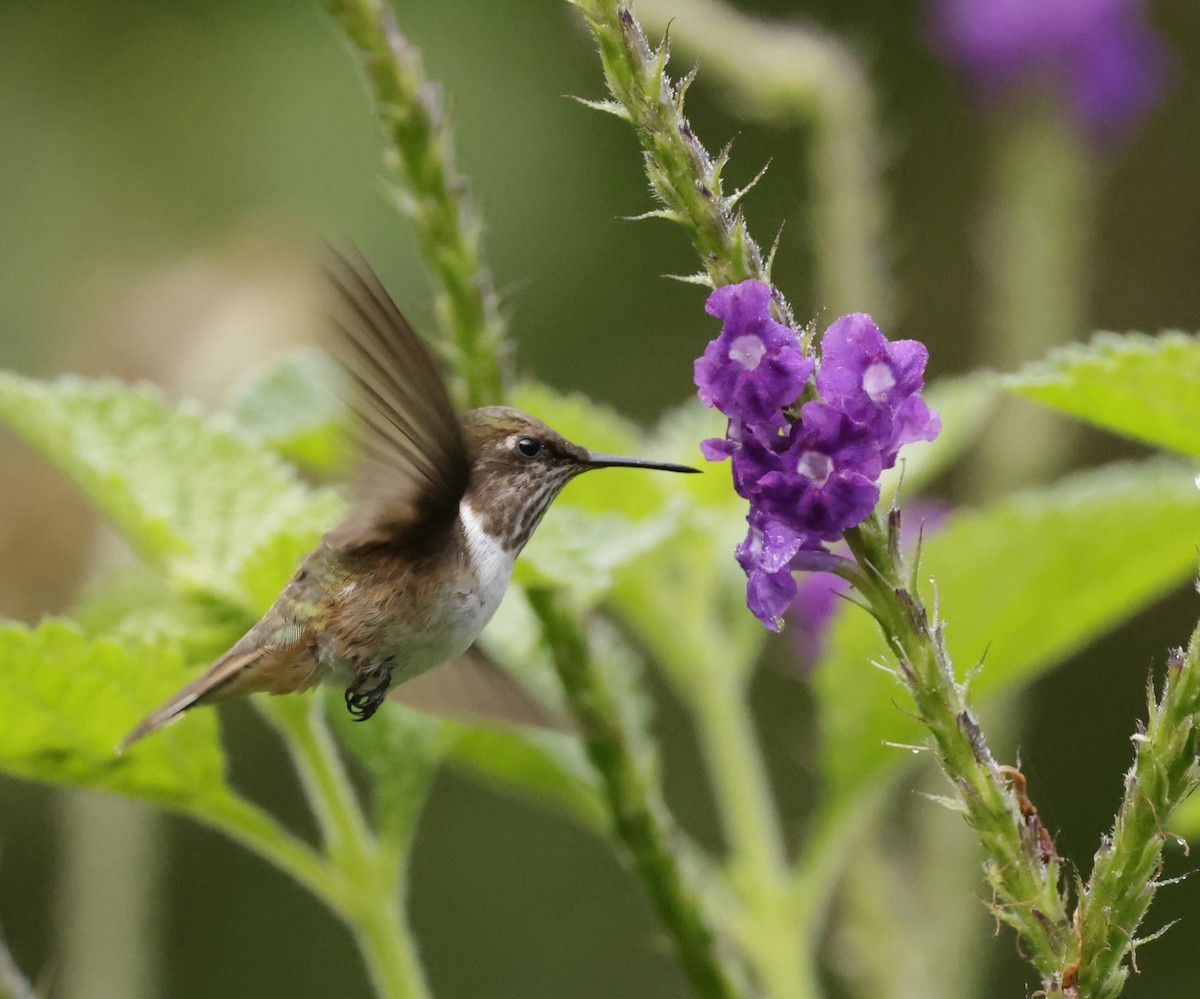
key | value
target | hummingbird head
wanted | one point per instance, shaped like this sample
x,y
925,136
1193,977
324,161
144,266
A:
x,y
519,465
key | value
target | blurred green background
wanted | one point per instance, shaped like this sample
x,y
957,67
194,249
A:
x,y
166,170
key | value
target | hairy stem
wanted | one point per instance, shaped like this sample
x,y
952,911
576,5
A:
x,y
639,818
1125,874
1021,865
432,193
790,74
683,176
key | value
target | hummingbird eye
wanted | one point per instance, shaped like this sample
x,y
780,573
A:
x,y
529,447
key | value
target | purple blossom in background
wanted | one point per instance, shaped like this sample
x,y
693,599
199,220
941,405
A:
x,y
1101,56
812,478
818,596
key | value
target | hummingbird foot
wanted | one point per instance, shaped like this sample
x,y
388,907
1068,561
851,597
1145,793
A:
x,y
367,692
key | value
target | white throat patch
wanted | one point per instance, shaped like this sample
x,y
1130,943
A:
x,y
492,562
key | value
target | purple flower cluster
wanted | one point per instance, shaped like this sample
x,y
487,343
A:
x,y
807,443
1101,56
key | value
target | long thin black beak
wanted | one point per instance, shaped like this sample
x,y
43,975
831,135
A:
x,y
616,461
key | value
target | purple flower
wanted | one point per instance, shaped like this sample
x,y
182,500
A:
x,y
876,383
769,595
809,478
754,448
1101,56
827,478
765,556
755,367
758,453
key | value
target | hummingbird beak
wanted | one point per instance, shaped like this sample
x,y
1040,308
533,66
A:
x,y
595,460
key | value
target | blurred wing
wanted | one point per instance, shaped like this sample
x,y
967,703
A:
x,y
413,465
473,688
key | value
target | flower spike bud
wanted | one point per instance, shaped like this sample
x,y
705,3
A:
x,y
681,88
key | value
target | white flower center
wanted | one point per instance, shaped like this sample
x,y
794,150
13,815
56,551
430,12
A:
x,y
815,466
747,351
876,381
756,542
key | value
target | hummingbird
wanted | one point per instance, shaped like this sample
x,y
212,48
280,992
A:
x,y
441,507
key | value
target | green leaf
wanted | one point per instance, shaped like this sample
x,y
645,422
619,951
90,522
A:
x,y
214,511
687,598
1027,582
292,407
687,603
67,700
548,768
134,608
1144,387
581,550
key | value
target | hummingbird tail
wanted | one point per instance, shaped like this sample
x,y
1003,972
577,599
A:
x,y
201,690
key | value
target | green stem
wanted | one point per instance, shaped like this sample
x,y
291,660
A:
x,y
1021,864
639,819
13,983
787,73
432,194
110,879
256,831
371,876
823,858
1034,264
364,894
687,182
770,930
387,943
344,829
1125,875
709,665
683,176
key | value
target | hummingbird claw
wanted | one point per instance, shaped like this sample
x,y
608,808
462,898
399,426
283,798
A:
x,y
367,692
